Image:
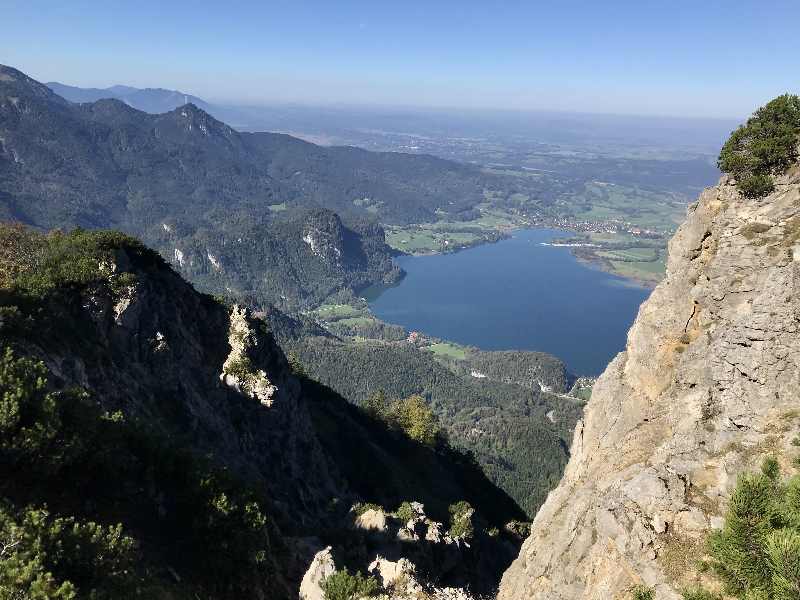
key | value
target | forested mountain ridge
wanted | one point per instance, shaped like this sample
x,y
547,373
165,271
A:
x,y
128,398
211,188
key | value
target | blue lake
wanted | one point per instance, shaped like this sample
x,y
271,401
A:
x,y
516,294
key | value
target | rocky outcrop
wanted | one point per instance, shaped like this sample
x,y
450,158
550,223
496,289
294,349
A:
x,y
212,375
238,371
412,557
707,386
320,568
325,244
372,520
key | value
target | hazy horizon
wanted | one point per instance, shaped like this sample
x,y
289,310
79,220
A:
x,y
410,107
679,60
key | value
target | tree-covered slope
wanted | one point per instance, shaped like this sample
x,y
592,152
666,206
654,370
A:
x,y
517,433
156,443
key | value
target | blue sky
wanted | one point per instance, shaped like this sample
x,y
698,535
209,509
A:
x,y
682,58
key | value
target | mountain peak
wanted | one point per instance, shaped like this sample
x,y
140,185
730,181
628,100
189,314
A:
x,y
196,119
10,74
18,91
117,89
11,78
192,108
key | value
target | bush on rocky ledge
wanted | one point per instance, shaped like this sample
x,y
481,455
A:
x,y
765,146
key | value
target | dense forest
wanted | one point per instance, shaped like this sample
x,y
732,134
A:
x,y
519,434
293,261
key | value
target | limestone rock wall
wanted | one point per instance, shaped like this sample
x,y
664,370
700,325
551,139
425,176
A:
x,y
707,386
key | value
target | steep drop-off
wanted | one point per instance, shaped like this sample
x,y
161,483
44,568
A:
x,y
180,394
706,388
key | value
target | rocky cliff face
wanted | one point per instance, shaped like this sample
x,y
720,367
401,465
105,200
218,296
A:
x,y
707,386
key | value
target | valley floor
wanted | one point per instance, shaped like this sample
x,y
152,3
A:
x,y
617,229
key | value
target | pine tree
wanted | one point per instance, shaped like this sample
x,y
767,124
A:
x,y
764,146
756,555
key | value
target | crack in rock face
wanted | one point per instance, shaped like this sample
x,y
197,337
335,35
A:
x,y
706,388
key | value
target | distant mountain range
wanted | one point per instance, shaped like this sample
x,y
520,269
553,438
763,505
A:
x,y
259,215
160,100
151,100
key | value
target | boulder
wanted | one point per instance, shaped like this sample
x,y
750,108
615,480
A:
x,y
371,520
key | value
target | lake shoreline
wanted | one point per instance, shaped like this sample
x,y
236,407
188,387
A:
x,y
506,232
602,264
522,294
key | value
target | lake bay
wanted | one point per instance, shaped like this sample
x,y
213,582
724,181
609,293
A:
x,y
516,294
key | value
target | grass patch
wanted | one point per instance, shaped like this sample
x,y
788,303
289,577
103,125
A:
x,y
656,211
641,271
679,558
421,239
355,321
448,350
442,236
336,312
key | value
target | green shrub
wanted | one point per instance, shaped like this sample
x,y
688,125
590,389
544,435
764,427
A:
x,y
35,264
756,555
120,283
241,368
521,529
416,419
31,418
341,585
361,507
410,415
461,520
763,147
404,512
19,249
376,405
46,557
641,592
295,364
